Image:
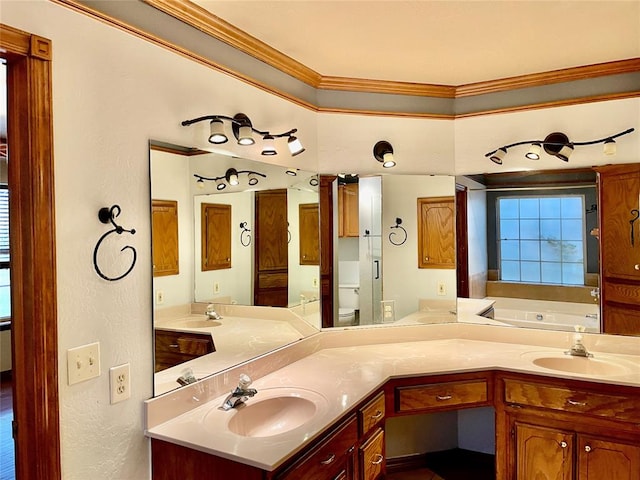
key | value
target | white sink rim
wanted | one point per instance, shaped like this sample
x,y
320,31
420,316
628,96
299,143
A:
x,y
598,365
295,408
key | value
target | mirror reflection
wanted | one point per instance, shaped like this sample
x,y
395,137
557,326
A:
x,y
533,247
235,260
391,249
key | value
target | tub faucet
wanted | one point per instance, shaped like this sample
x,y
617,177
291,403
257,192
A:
x,y
578,349
240,394
211,313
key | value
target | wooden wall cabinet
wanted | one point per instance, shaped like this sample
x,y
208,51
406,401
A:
x,y
215,236
436,232
348,210
565,430
619,212
309,224
164,232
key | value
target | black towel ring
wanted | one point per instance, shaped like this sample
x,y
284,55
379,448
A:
x,y
107,215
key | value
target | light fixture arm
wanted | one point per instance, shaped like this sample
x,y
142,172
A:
x,y
239,123
223,177
557,144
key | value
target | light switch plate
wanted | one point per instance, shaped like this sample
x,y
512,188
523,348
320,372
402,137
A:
x,y
83,363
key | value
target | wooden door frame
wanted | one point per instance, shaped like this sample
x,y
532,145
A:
x,y
34,333
462,243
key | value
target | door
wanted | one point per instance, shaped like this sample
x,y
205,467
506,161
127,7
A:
x,y
599,459
271,249
543,453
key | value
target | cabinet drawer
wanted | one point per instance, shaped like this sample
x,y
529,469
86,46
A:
x,y
371,414
621,293
620,407
439,395
372,456
328,459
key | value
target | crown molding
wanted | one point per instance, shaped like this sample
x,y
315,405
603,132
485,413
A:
x,y
197,17
384,86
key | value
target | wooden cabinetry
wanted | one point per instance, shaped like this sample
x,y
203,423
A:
x,y
173,348
619,217
567,430
164,232
348,220
333,459
436,232
372,452
216,236
309,218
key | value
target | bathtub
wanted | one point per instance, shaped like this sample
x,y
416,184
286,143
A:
x,y
546,315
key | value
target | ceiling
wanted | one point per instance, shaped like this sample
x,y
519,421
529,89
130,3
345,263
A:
x,y
446,42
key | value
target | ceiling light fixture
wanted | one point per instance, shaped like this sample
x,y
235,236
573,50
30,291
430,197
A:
x,y
230,177
383,152
556,144
243,131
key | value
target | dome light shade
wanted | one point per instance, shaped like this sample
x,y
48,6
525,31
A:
x,y
609,147
295,147
498,155
383,152
534,151
268,146
216,132
232,177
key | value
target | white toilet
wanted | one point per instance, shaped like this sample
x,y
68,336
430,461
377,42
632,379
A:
x,y
348,304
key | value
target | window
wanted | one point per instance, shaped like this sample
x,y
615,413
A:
x,y
542,239
5,291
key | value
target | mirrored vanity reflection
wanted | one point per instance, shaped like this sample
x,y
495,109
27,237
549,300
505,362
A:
x,y
240,236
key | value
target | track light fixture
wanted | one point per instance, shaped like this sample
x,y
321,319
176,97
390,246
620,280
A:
x,y
230,177
243,131
383,152
556,144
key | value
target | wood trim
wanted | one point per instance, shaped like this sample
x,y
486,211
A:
x,y
203,20
386,86
33,272
548,78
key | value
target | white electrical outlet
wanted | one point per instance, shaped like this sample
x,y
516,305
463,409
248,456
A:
x,y
83,363
314,282
159,297
442,289
216,287
120,383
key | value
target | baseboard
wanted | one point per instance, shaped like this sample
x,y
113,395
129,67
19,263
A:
x,y
408,462
423,460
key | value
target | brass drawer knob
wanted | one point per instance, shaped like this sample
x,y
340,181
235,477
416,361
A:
x,y
587,448
563,444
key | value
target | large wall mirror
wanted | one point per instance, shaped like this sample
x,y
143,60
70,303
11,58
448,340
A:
x,y
533,247
233,233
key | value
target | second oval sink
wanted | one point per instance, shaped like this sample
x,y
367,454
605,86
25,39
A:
x,y
586,366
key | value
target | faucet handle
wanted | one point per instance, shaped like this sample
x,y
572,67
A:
x,y
245,380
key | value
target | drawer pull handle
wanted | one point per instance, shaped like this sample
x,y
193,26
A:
x,y
329,459
174,345
637,266
442,398
563,444
376,415
378,460
573,403
587,448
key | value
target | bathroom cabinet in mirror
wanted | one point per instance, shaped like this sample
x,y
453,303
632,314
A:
x,y
533,247
243,248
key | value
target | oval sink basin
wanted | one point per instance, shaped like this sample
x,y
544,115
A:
x,y
587,366
271,412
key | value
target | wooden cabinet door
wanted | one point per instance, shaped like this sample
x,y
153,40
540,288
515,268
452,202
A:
x,y
164,230
372,457
619,222
600,459
309,219
436,232
271,262
348,210
544,453
216,236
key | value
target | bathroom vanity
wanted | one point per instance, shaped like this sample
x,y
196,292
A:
x,y
562,416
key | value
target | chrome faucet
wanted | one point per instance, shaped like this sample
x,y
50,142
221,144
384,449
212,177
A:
x,y
211,313
578,349
240,394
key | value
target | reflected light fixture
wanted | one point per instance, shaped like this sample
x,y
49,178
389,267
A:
x,y
383,152
243,131
292,171
556,144
231,177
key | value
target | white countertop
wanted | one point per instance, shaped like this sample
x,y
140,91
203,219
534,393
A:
x,y
345,376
